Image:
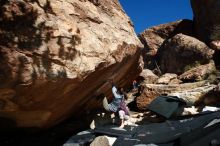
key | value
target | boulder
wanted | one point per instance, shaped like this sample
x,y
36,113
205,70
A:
x,y
212,98
168,78
100,140
206,19
149,76
198,73
181,53
218,88
194,96
154,37
215,45
57,56
151,91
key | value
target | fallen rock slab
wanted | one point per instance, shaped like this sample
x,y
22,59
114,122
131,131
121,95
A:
x,y
151,91
194,95
168,78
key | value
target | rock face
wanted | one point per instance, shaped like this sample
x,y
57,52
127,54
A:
x,y
207,19
207,24
149,76
190,92
215,45
168,78
56,57
198,73
182,52
194,95
154,37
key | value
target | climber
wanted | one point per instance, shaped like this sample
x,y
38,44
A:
x,y
123,113
135,85
117,104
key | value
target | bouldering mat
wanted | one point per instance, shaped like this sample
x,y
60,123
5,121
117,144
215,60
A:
x,y
165,106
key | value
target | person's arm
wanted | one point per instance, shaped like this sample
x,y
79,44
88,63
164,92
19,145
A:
x,y
114,91
125,95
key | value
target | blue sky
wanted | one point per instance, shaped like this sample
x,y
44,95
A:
x,y
147,13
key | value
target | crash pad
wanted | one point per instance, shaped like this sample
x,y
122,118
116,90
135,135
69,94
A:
x,y
165,106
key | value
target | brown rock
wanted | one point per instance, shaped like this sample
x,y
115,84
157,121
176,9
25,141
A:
x,y
175,81
198,73
167,78
215,45
207,19
212,98
151,91
218,87
57,56
181,52
149,76
147,96
154,37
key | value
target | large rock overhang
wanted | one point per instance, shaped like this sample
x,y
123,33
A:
x,y
56,58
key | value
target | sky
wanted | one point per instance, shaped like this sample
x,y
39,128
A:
x,y
147,13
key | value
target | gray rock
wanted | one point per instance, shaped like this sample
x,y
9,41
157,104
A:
x,y
100,141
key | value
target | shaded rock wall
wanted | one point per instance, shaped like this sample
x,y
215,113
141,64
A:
x,y
206,19
207,24
57,55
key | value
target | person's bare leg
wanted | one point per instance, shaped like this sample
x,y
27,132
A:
x,y
121,115
122,123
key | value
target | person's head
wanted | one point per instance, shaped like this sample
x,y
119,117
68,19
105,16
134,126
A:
x,y
120,90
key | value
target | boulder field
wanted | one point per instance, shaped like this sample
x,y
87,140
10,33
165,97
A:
x,y
183,54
